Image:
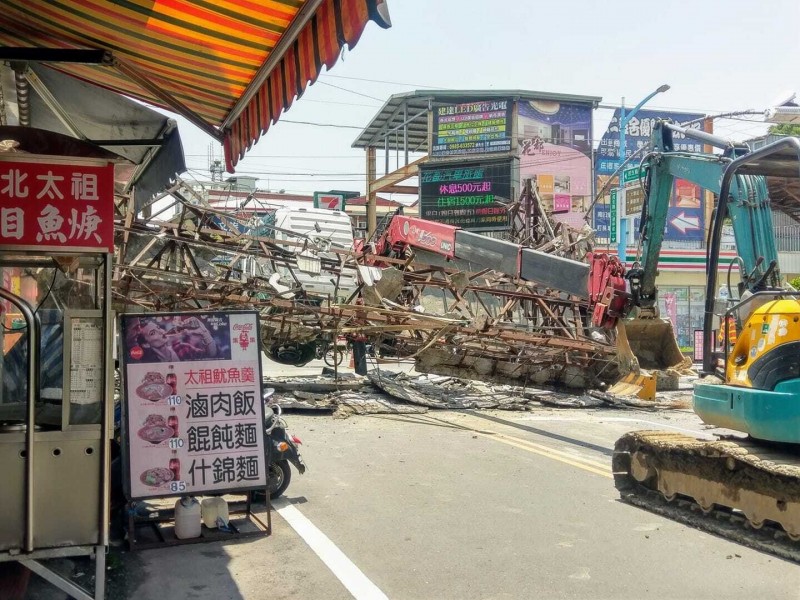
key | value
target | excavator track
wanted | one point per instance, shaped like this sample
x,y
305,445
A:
x,y
739,489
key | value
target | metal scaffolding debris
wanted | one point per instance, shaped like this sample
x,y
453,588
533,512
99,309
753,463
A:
x,y
180,253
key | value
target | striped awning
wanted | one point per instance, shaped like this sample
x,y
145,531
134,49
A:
x,y
230,66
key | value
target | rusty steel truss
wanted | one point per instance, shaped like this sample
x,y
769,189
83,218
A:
x,y
185,255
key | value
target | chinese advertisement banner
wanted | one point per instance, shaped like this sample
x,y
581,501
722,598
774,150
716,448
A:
x,y
637,135
194,419
481,127
45,202
469,195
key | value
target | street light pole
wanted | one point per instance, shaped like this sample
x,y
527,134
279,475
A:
x,y
624,118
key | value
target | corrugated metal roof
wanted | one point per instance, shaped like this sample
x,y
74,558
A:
x,y
401,107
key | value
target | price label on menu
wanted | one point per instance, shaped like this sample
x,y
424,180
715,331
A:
x,y
194,417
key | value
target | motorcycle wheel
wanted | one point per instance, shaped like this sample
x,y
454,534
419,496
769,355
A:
x,y
333,357
280,475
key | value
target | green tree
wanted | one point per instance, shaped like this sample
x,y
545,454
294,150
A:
x,y
785,129
795,283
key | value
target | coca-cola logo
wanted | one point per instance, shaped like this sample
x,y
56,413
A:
x,y
243,327
405,228
137,353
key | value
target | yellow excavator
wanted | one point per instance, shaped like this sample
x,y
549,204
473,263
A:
x,y
746,485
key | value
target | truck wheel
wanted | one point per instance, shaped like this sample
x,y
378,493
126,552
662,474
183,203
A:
x,y
279,477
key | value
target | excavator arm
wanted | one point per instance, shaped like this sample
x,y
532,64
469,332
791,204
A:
x,y
747,205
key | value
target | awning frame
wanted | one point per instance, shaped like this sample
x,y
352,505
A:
x,y
278,52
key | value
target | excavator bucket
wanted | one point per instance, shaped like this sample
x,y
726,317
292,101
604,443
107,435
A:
x,y
652,342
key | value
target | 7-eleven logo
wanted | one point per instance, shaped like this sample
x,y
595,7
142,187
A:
x,y
329,201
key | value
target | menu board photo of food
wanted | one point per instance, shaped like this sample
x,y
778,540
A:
x,y
192,425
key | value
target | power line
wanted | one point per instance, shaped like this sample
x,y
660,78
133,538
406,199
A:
x,y
381,100
335,125
419,85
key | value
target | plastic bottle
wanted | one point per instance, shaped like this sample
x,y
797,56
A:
x,y
188,523
214,508
172,380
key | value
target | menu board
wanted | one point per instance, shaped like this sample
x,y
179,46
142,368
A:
x,y
86,366
481,127
193,411
467,195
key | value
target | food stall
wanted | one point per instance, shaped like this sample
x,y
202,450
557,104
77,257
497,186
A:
x,y
56,398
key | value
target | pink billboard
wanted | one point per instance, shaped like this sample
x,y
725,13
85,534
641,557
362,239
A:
x,y
555,150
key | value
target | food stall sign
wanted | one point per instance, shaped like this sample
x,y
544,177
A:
x,y
193,419
63,204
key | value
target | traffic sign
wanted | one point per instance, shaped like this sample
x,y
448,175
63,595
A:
x,y
631,176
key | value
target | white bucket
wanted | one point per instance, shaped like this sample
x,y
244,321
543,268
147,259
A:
x,y
187,518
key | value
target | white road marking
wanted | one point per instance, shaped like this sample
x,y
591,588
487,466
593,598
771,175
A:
x,y
342,567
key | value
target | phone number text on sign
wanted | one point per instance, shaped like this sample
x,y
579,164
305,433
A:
x,y
59,204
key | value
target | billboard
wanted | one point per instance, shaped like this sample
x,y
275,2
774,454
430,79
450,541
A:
x,y
469,195
685,215
193,417
637,136
555,151
685,219
479,127
60,204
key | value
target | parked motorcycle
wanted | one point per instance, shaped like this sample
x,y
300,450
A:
x,y
283,448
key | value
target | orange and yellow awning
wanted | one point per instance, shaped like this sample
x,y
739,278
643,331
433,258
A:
x,y
232,66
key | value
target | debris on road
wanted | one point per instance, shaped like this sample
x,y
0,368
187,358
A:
x,y
388,392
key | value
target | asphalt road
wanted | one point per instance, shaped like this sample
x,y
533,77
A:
x,y
510,505
484,504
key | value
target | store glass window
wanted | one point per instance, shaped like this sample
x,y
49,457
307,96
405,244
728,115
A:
x,y
684,307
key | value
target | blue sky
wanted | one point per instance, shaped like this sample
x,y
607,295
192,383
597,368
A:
x,y
717,56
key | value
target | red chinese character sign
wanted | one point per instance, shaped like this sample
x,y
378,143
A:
x,y
66,205
193,414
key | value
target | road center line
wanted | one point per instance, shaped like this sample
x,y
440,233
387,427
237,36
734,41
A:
x,y
548,453
569,459
342,567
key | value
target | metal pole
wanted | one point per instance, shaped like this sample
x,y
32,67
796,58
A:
x,y
624,117
622,230
405,131
372,221
33,389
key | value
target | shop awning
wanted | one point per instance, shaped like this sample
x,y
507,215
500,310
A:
x,y
230,66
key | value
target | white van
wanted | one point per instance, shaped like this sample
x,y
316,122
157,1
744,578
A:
x,y
324,230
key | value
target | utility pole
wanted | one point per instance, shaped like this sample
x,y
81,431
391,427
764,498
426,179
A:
x,y
624,119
